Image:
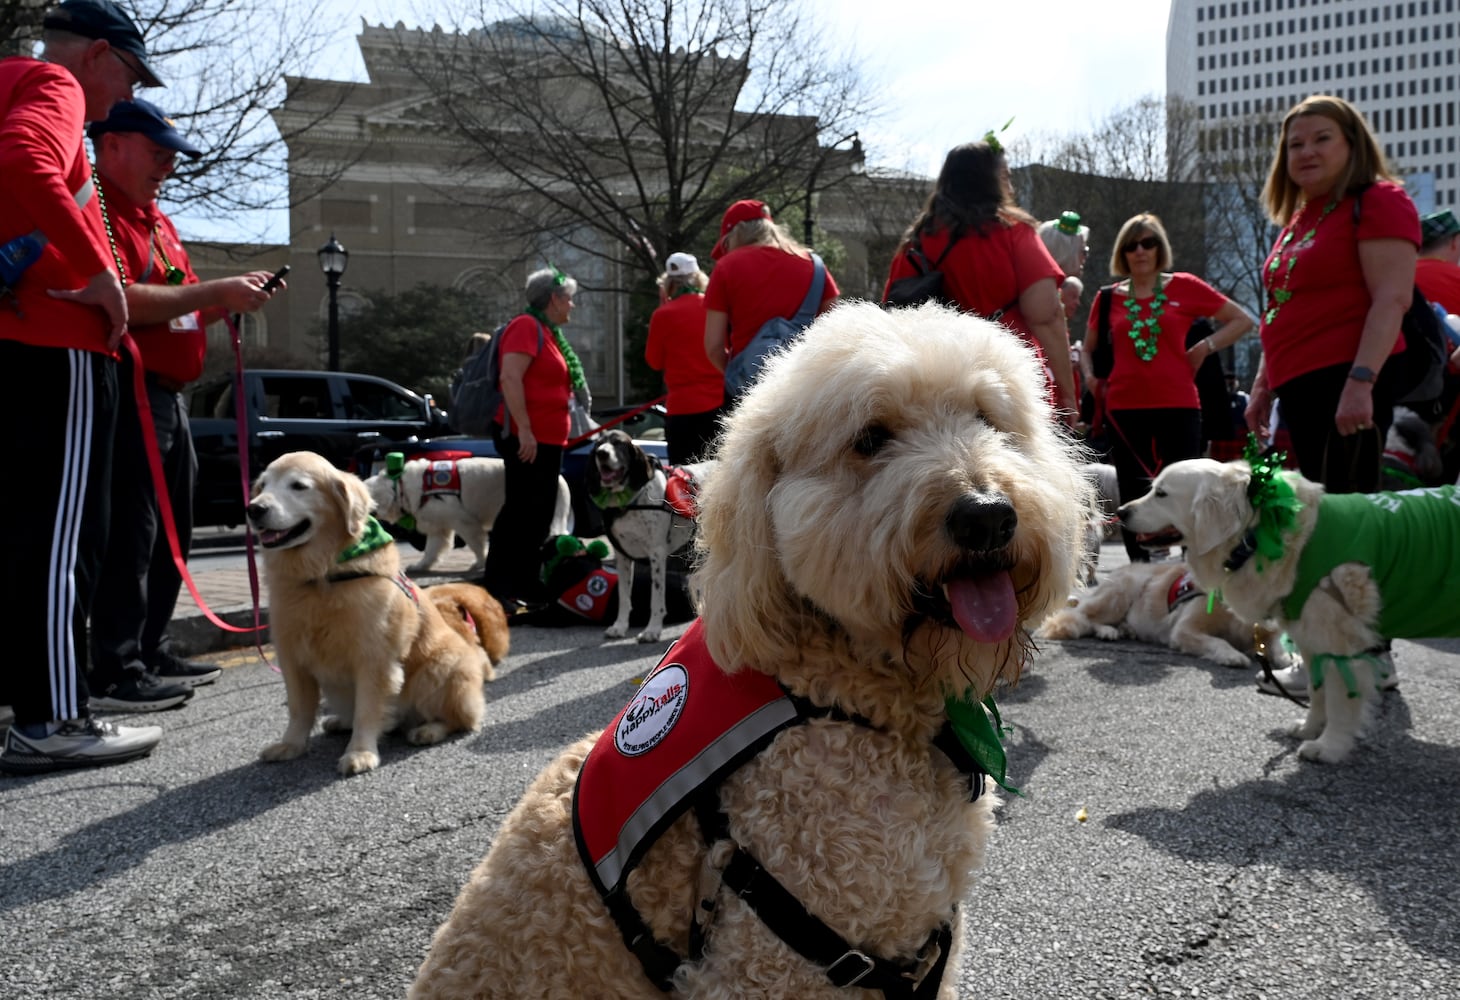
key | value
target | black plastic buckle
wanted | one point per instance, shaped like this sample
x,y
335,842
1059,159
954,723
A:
x,y
850,969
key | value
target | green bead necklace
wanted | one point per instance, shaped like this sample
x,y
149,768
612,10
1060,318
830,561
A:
x,y
1144,333
1277,297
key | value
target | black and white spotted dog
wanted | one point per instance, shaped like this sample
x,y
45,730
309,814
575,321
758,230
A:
x,y
629,487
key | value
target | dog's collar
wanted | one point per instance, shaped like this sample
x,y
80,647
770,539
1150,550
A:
x,y
622,497
375,537
1244,551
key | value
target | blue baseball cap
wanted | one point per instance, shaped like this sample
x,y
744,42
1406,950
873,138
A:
x,y
147,119
104,20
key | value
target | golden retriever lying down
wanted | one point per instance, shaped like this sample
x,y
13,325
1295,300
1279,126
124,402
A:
x,y
1347,573
476,616
345,621
1161,603
904,505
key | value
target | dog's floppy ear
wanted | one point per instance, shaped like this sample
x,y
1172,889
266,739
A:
x,y
1220,510
354,502
640,470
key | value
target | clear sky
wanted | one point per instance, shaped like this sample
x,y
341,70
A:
x,y
949,69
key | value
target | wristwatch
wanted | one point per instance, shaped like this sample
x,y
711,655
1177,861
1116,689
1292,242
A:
x,y
1361,374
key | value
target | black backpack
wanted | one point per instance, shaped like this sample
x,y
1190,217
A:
x,y
1419,372
925,286
1102,359
476,392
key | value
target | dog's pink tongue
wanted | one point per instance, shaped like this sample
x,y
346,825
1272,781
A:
x,y
984,606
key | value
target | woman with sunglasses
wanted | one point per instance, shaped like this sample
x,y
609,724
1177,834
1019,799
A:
x,y
1150,398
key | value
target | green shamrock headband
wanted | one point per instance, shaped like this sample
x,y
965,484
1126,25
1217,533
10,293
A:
x,y
991,139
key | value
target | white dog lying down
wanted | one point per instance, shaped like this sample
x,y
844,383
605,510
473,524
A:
x,y
453,497
894,504
1347,573
1161,603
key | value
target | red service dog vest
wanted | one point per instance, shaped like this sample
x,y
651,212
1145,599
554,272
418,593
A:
x,y
441,479
590,596
689,725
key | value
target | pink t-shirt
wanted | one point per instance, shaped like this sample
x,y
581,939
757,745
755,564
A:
x,y
1166,380
1320,326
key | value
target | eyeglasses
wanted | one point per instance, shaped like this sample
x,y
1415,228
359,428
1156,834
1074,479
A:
x,y
136,80
1146,243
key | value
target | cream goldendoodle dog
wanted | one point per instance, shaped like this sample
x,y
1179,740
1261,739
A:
x,y
902,507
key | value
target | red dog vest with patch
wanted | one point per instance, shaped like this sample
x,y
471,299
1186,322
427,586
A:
x,y
441,479
1182,589
590,596
689,725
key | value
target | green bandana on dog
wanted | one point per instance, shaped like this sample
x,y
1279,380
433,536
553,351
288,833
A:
x,y
375,537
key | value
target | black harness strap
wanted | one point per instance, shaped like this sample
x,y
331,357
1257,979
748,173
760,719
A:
x,y
659,960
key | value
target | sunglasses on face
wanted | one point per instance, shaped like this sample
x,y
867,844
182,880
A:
x,y
1147,243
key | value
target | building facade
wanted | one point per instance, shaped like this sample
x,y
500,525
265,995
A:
x,y
1244,63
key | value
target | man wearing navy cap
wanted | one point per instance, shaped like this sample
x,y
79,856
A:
x,y
137,147
1437,272
62,315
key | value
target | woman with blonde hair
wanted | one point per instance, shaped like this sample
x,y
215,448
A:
x,y
676,346
1150,396
761,273
1338,282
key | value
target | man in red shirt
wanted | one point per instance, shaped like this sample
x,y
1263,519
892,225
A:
x,y
1437,272
60,323
131,669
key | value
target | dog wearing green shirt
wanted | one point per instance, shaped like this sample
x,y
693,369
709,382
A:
x,y
1341,574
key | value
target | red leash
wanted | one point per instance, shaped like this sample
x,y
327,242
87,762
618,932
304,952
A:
x,y
575,442
164,501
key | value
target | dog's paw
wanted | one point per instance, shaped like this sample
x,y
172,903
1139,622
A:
x,y
428,734
359,761
1107,632
335,724
1322,752
1306,729
281,751
1230,657
616,631
649,635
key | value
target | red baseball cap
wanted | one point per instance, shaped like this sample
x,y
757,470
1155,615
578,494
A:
x,y
741,211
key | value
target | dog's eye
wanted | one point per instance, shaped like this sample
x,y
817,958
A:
x,y
1158,493
299,486
871,439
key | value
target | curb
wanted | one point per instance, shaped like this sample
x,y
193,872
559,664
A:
x,y
194,635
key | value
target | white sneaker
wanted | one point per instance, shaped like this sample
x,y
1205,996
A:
x,y
76,743
1293,679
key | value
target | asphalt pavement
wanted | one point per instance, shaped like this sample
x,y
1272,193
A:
x,y
1210,861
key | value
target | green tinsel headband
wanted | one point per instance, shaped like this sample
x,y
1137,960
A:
x,y
991,139
559,278
1272,498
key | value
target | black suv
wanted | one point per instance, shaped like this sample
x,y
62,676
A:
x,y
332,413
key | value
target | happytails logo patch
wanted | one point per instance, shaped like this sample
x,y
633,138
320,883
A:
x,y
653,712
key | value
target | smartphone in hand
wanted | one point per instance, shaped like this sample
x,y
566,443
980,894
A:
x,y
276,279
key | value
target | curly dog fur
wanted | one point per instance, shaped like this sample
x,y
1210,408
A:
x,y
837,559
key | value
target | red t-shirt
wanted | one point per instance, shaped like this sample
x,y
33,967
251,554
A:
x,y
986,273
1439,282
1320,326
42,114
758,283
676,347
545,384
147,242
1166,380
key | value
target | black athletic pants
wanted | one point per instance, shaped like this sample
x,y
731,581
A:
x,y
1142,443
139,584
55,510
1350,463
689,435
522,526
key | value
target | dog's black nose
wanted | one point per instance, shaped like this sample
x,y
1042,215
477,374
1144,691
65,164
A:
x,y
982,525
256,510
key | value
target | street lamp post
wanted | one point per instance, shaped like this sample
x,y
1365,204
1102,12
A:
x,y
810,223
333,259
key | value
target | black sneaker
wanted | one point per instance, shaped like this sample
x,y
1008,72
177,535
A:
x,y
140,692
171,669
77,743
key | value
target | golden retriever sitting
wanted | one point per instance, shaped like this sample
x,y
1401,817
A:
x,y
1341,574
1162,603
903,507
345,621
